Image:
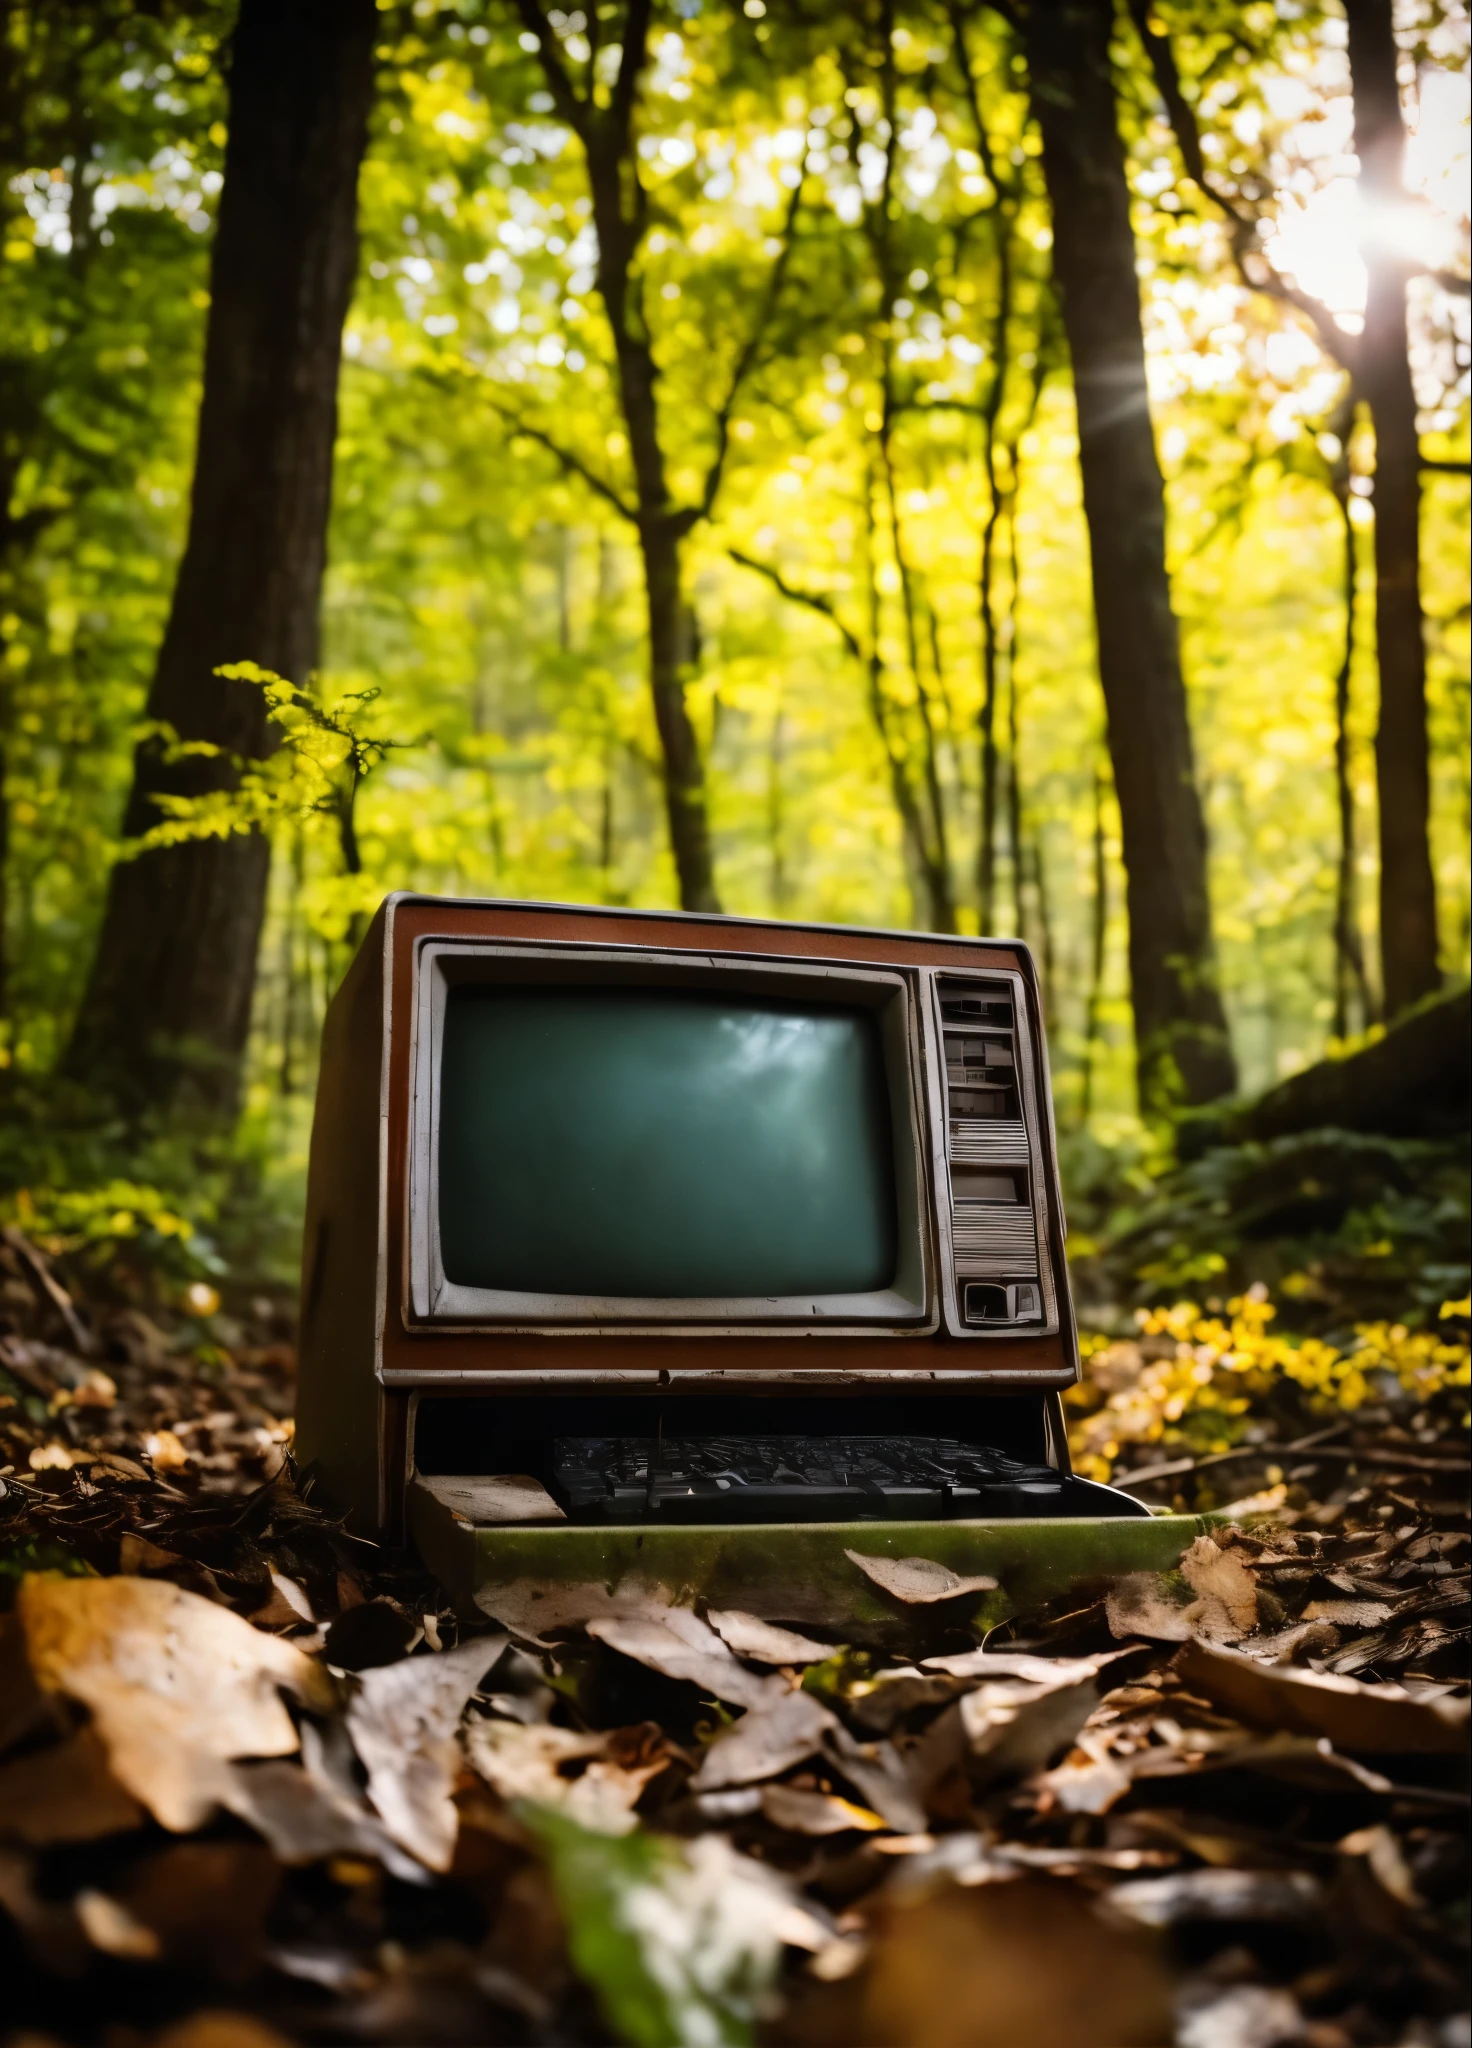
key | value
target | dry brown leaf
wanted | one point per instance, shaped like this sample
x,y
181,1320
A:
x,y
763,1642
676,1642
165,1452
878,1775
219,2030
1225,1609
880,1701
918,1581
531,1608
770,1739
64,1794
523,1762
496,1498
1026,1964
177,1685
1013,1726
403,1719
112,1928
314,1809
1376,1718
1349,1613
1086,1783
1142,1604
137,1555
815,1813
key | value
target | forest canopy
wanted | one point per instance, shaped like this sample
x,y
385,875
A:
x,y
711,501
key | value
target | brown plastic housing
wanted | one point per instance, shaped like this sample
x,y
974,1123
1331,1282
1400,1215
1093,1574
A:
x,y
981,1304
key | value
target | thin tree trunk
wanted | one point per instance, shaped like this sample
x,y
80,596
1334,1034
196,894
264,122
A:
x,y
163,1022
1408,950
777,812
942,900
1349,956
671,648
1099,936
1182,1049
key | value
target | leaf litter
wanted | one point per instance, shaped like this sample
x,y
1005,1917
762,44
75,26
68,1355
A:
x,y
259,1786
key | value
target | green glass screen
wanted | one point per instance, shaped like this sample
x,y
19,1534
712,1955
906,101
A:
x,y
622,1142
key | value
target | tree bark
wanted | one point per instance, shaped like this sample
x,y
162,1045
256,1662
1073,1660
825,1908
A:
x,y
1408,951
163,1022
1182,1049
671,658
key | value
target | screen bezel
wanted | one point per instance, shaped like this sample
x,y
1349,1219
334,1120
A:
x,y
434,1301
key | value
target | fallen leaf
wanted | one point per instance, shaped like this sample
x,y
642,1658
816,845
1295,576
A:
x,y
1237,2016
815,1813
219,2030
312,1810
1286,1896
294,1596
1013,1726
531,1607
767,1740
878,1775
165,1452
1354,1716
402,1720
1086,1784
918,1581
496,1498
525,1763
1225,1609
1141,1604
1025,1964
137,1555
112,1928
680,1943
763,1642
54,1457
65,1793
1022,1664
177,1685
676,1642
1349,1613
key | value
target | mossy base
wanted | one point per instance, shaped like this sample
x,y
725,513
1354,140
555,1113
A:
x,y
790,1571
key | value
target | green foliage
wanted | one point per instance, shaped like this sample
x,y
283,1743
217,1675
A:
x,y
1345,1225
680,1948
909,397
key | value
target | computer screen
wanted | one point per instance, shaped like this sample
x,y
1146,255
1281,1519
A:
x,y
659,1143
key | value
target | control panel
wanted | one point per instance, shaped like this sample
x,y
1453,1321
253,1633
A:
x,y
991,1191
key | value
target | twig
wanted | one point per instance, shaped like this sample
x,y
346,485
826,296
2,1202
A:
x,y
1317,1445
1179,1465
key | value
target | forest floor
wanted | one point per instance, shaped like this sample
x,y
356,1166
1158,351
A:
x,y
257,1787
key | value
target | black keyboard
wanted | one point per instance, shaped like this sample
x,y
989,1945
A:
x,y
794,1479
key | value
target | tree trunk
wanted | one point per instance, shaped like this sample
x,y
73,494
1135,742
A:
x,y
1407,889
671,657
1349,958
1182,1050
163,1022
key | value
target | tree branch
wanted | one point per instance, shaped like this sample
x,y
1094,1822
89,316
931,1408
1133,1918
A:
x,y
1245,235
630,64
1441,466
813,599
572,109
573,464
750,350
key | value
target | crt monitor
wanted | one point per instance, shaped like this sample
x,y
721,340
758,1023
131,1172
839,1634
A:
x,y
621,1216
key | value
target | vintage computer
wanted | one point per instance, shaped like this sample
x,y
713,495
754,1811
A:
x,y
643,1237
